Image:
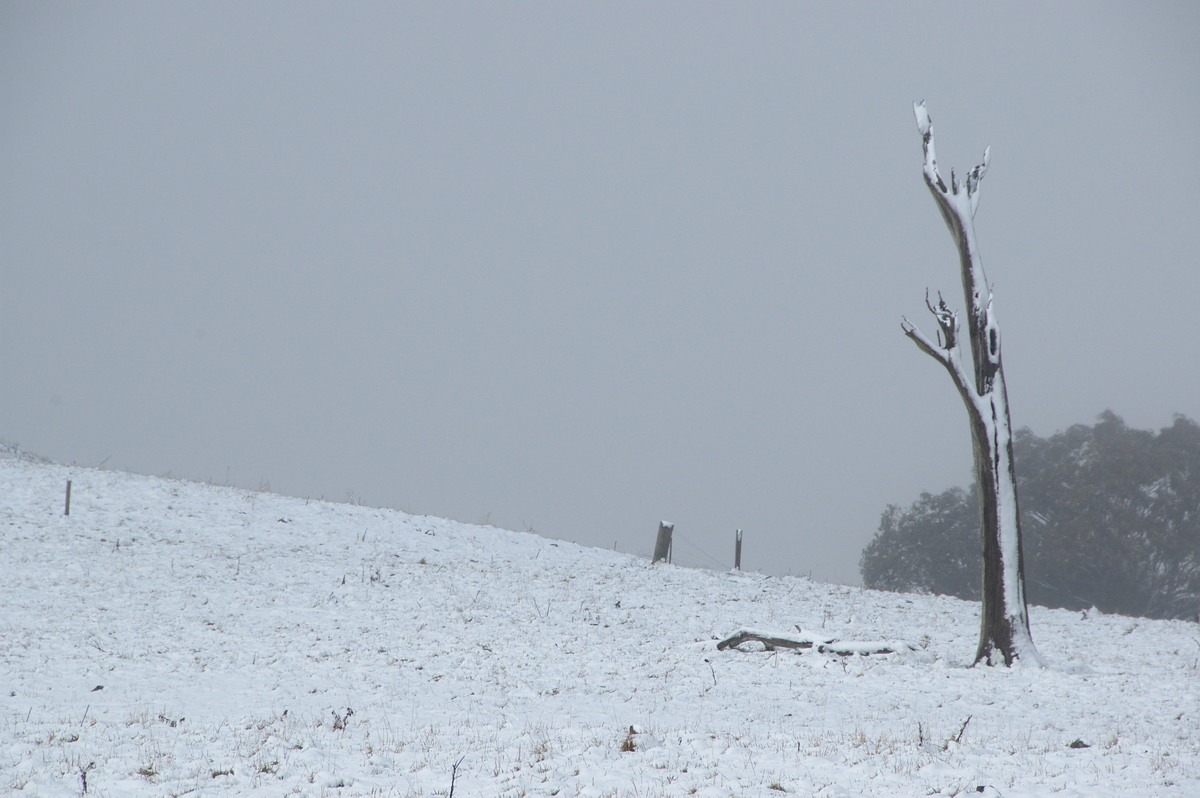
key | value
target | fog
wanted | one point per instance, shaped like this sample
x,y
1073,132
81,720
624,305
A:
x,y
579,268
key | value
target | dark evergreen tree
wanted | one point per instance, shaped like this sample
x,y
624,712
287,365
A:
x,y
1111,519
933,546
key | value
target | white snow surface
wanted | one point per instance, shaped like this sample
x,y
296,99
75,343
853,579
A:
x,y
171,638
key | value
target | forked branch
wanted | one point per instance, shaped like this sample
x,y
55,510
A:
x,y
952,198
946,349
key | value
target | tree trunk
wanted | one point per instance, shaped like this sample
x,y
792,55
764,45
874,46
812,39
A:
x,y
1004,623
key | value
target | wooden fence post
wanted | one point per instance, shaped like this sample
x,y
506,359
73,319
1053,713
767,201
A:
x,y
737,551
662,546
67,509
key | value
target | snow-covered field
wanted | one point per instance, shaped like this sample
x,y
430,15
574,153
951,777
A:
x,y
172,638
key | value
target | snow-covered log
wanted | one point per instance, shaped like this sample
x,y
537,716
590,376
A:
x,y
770,641
1004,626
844,648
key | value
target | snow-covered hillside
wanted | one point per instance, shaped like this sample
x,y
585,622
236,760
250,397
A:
x,y
171,638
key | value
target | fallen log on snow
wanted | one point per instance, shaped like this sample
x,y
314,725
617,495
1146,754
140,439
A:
x,y
769,641
842,648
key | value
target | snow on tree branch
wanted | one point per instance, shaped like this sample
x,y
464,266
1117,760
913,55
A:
x,y
927,346
975,176
946,349
952,199
947,321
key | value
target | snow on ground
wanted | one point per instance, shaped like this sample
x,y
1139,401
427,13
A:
x,y
172,638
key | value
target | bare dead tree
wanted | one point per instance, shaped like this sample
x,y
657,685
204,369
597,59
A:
x,y
1004,625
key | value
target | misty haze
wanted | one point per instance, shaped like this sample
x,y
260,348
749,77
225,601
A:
x,y
580,269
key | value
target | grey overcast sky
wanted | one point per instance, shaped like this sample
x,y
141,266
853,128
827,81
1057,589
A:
x,y
581,267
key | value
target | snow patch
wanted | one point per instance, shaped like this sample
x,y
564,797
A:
x,y
175,638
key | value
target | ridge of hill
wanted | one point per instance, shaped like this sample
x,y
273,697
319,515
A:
x,y
175,638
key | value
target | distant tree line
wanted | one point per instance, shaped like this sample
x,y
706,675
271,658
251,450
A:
x,y
1111,520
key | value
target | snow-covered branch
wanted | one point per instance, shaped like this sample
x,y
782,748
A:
x,y
955,199
957,204
947,320
946,349
934,350
828,645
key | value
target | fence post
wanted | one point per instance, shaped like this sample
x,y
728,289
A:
x,y
67,509
737,551
662,546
